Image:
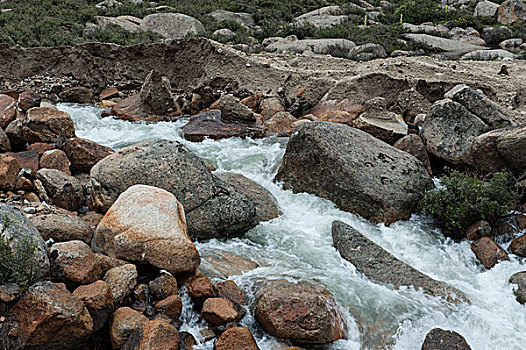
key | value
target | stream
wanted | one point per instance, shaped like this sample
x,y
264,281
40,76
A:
x,y
298,245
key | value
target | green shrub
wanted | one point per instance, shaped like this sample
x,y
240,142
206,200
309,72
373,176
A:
x,y
465,199
117,35
18,265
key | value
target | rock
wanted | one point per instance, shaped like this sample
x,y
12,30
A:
x,y
131,109
253,102
121,280
384,125
200,289
266,204
236,338
234,110
325,159
18,231
28,99
5,145
332,111
518,246
242,18
65,191
478,104
224,35
488,252
60,226
477,230
74,262
77,94
439,339
222,264
147,224
511,12
520,280
486,9
9,169
414,145
153,335
156,94
335,47
129,23
441,44
466,36
109,92
50,317
367,52
212,208
47,124
512,45
302,313
171,306
271,106
7,110
186,341
321,21
107,263
210,124
488,55
427,28
280,123
385,268
41,147
125,321
230,291
449,131
494,35
55,159
172,25
84,154
15,135
9,292
163,286
98,300
219,311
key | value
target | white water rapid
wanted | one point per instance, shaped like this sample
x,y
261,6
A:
x,y
298,244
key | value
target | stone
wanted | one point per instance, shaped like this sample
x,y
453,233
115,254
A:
x,y
486,9
488,55
441,44
28,99
234,110
384,125
18,231
98,300
230,291
236,338
266,204
332,111
494,35
41,147
414,145
519,279
242,18
5,144
28,161
47,124
50,317
147,224
488,252
171,306
124,322
478,104
156,94
466,36
253,102
55,159
322,21
15,135
60,225
512,45
291,43
131,109
302,313
23,184
439,339
280,123
477,230
518,246
449,131
74,262
217,263
172,25
186,341
269,107
121,280
210,124
9,292
212,208
153,335
109,92
64,190
385,268
107,262
84,154
77,94
200,289
219,311
9,169
129,23
223,35
7,110
367,52
511,12
326,158
163,286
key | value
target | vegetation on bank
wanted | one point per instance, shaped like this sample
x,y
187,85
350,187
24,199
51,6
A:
x,y
464,199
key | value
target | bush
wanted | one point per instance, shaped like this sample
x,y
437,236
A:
x,y
465,199
17,265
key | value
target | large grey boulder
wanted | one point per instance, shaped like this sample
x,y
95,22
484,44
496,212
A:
x,y
319,46
494,35
511,12
172,25
367,52
486,9
242,18
488,55
20,235
381,266
213,209
441,44
358,172
129,23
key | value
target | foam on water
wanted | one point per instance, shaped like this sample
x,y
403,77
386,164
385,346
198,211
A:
x,y
298,245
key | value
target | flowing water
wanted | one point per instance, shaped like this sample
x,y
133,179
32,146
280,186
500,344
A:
x,y
298,244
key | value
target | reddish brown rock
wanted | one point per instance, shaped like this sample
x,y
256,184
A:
x,y
303,313
521,221
223,264
74,262
488,252
55,159
60,225
163,286
15,135
98,300
200,289
171,306
23,184
107,262
337,112
9,169
439,339
9,292
84,154
280,123
153,335
504,226
41,147
7,110
219,311
108,92
5,144
27,160
236,338
63,190
477,230
121,280
28,99
269,107
230,291
77,94
49,317
233,110
31,198
124,322
414,145
186,341
253,102
518,246
131,109
47,124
